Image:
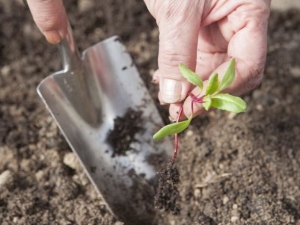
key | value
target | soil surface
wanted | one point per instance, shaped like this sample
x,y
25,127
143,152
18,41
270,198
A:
x,y
234,169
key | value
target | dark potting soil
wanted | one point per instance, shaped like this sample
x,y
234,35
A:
x,y
167,191
125,128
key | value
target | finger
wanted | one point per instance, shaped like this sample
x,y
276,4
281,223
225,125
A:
x,y
212,50
246,79
50,17
179,27
245,32
246,43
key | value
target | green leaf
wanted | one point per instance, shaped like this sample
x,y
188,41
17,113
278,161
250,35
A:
x,y
229,75
171,129
212,85
190,76
229,103
207,102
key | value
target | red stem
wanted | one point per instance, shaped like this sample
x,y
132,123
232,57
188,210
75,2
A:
x,y
194,99
176,135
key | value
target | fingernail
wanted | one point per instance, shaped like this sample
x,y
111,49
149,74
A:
x,y
171,91
53,36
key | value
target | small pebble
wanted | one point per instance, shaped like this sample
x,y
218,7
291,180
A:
x,y
71,161
5,178
225,200
234,219
81,179
25,165
257,94
295,72
197,193
231,115
39,175
189,133
85,5
259,107
15,219
5,70
119,223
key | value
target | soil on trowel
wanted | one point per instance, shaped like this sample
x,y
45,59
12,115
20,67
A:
x,y
122,135
167,192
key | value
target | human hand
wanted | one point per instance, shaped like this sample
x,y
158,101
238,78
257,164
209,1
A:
x,y
50,17
204,35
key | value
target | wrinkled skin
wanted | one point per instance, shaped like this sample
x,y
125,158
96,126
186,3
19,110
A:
x,y
202,34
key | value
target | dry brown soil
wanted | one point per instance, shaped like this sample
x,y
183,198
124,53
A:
x,y
240,169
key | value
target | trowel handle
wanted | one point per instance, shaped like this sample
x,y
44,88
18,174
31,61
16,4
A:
x,y
68,51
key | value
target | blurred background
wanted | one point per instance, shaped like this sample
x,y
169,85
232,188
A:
x,y
41,181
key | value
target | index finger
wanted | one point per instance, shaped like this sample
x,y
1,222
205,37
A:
x,y
50,17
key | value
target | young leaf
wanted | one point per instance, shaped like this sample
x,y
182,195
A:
x,y
212,85
190,76
171,129
229,76
207,102
228,102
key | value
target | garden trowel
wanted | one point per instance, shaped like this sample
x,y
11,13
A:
x,y
85,99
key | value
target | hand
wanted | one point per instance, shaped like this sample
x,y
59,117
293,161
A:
x,y
204,35
50,17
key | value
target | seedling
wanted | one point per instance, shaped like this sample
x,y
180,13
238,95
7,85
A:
x,y
212,98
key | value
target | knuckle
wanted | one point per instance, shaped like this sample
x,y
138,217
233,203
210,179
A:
x,y
47,24
48,14
171,59
169,62
254,82
254,76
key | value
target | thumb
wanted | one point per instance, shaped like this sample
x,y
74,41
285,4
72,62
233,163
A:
x,y
50,17
179,28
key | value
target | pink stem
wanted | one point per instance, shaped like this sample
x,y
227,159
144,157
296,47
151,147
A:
x,y
194,99
176,136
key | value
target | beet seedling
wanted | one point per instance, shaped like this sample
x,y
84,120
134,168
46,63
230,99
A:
x,y
212,98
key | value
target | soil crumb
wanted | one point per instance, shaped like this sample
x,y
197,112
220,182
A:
x,y
167,193
125,128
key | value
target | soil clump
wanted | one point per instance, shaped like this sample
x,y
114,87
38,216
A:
x,y
167,191
125,128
